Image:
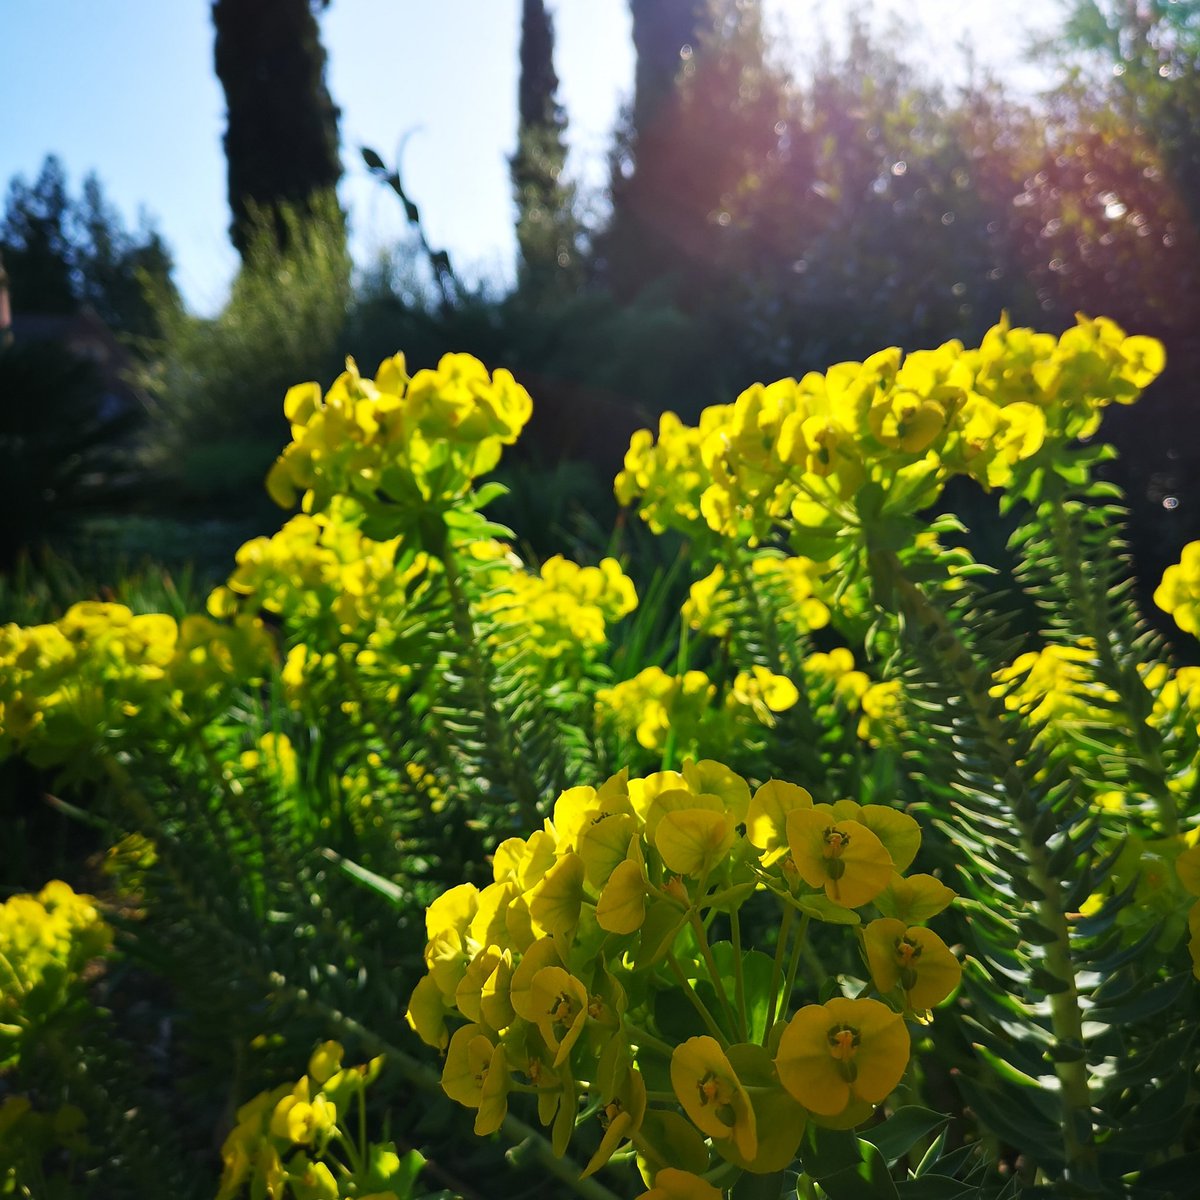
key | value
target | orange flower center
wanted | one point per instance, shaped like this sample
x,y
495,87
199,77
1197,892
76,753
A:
x,y
843,1042
907,953
610,1112
843,1046
563,1011
710,1089
836,840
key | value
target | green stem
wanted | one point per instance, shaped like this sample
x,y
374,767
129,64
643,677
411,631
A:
x,y
785,928
739,980
794,965
1090,602
423,1077
714,975
695,1001
497,730
933,638
645,1038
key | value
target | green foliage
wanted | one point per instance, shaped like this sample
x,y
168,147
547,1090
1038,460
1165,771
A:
x,y
214,385
280,823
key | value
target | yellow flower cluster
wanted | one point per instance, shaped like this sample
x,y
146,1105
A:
x,y
317,567
1179,591
837,688
45,942
279,1145
1053,685
397,441
554,968
794,584
905,423
563,609
101,670
654,704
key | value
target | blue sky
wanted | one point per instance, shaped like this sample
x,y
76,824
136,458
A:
x,y
126,88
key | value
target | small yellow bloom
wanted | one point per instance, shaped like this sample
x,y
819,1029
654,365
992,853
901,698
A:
x,y
842,1051
622,904
913,959
672,1184
842,856
554,903
712,1095
914,898
560,1002
468,1059
426,1014
766,820
325,1062
621,1118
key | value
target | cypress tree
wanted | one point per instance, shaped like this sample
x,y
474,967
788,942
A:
x,y
281,138
547,231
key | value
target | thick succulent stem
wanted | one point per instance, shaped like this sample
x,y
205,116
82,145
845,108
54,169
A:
x,y
932,638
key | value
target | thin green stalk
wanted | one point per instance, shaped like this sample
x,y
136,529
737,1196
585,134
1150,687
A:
x,y
681,666
644,1037
714,975
794,965
701,1008
425,1078
785,928
739,980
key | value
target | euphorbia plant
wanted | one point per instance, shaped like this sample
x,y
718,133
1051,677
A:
x,y
607,973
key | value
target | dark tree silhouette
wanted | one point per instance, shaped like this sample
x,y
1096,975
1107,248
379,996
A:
x,y
547,230
64,254
36,241
281,137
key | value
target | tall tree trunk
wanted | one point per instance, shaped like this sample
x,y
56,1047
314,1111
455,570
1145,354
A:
x,y
547,231
281,137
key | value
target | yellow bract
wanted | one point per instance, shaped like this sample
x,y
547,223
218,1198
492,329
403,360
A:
x,y
1179,591
912,959
711,1094
842,1051
842,856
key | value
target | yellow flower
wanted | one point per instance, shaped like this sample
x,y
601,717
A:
x,y
554,903
468,1060
426,1014
842,856
621,1118
622,904
711,1094
913,959
672,1184
560,1004
842,1051
1187,867
325,1062
1179,591
693,840
766,819
914,898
